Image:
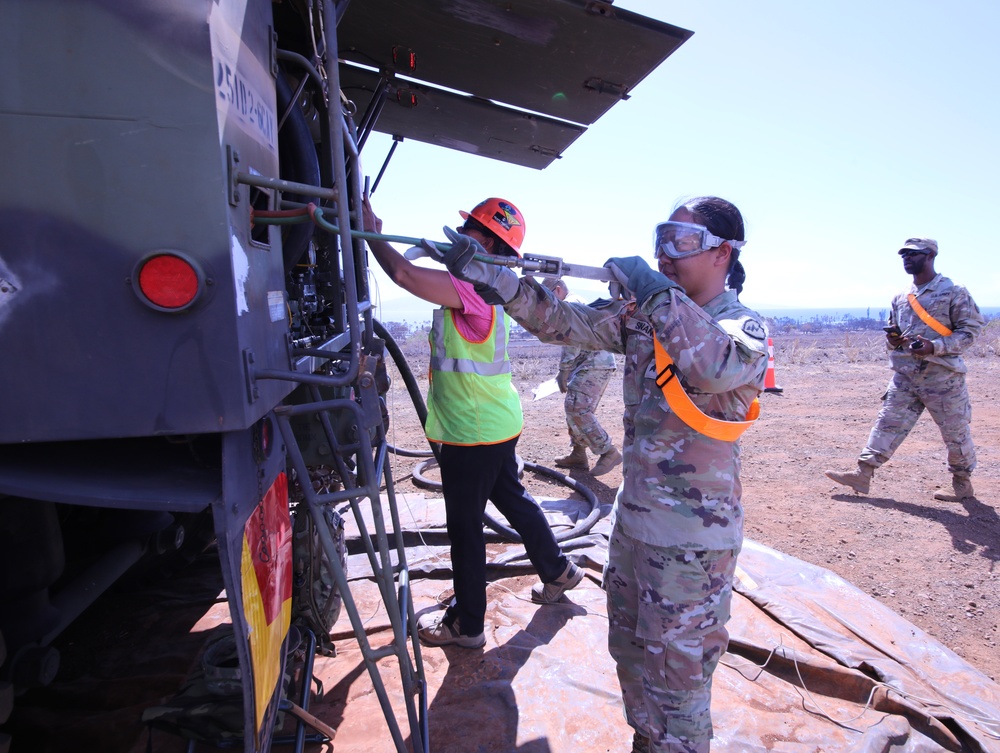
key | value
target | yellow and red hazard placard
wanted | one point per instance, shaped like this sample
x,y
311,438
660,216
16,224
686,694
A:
x,y
267,588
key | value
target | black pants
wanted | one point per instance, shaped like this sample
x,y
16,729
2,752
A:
x,y
470,475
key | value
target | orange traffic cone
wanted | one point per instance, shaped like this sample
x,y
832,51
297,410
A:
x,y
769,385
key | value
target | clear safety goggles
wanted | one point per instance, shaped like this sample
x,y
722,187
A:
x,y
677,240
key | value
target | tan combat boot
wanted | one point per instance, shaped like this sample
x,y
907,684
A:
x,y
577,458
607,461
859,480
962,487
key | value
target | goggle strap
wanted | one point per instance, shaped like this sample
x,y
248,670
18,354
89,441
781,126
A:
x,y
716,241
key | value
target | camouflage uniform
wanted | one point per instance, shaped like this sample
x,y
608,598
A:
x,y
935,382
589,373
678,519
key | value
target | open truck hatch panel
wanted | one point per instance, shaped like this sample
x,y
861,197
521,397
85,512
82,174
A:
x,y
569,60
461,122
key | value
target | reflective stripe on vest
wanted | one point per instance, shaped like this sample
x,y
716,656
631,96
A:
x,y
926,318
499,365
682,404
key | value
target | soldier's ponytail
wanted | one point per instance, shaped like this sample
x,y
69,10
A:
x,y
737,275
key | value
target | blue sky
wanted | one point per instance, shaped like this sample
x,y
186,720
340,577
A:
x,y
839,129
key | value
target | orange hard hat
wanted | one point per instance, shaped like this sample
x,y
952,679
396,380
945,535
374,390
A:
x,y
502,218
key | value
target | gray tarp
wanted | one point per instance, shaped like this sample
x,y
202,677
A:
x,y
814,664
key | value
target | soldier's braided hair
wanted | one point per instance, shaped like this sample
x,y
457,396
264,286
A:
x,y
724,220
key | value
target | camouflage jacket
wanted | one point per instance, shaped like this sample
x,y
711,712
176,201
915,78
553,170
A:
x,y
679,488
951,305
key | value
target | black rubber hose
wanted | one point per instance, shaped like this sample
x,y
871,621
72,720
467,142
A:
x,y
593,516
418,402
299,163
421,480
579,529
404,453
412,388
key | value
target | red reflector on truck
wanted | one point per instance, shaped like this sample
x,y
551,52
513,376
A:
x,y
169,281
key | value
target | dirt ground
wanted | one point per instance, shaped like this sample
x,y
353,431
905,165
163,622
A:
x,y
933,562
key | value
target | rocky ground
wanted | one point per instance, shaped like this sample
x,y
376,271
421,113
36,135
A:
x,y
934,562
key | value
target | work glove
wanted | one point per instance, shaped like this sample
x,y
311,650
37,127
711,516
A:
x,y
495,284
636,276
562,380
426,248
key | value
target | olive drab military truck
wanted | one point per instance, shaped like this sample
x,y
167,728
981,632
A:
x,y
183,287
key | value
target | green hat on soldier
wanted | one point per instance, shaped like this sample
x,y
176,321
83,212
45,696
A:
x,y
926,245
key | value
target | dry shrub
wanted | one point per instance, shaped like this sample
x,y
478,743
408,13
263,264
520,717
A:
x,y
851,352
864,346
829,346
988,342
797,352
859,347
534,368
534,361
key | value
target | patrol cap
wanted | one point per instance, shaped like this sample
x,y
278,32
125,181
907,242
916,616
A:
x,y
925,245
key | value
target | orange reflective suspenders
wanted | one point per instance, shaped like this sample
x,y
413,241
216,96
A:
x,y
925,317
682,404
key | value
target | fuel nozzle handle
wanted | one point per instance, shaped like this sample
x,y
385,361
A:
x,y
547,266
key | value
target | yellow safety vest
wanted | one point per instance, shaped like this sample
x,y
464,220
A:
x,y
471,400
682,404
926,318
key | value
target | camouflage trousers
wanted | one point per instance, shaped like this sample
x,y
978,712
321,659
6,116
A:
x,y
583,393
667,610
946,398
